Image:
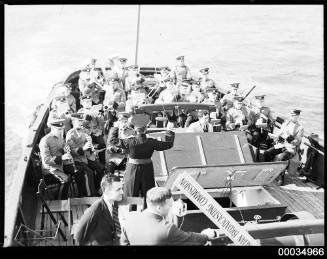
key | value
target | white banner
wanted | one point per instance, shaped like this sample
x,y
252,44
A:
x,y
214,211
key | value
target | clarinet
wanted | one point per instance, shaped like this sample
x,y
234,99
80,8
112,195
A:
x,y
89,140
68,151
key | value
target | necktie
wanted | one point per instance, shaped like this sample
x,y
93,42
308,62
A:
x,y
116,219
205,128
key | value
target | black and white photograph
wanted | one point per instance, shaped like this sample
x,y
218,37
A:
x,y
164,125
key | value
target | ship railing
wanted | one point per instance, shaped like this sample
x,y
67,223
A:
x,y
13,212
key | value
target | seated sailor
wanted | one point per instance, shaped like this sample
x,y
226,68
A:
x,y
236,117
228,99
84,78
116,157
70,98
211,96
62,110
78,141
196,96
115,93
87,107
170,94
181,71
99,225
97,147
97,97
110,70
205,81
95,73
287,140
184,90
122,71
110,117
191,116
134,79
262,120
151,227
130,104
202,125
51,151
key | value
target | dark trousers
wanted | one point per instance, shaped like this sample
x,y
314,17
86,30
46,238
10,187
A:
x,y
79,178
89,178
63,187
99,172
138,180
270,154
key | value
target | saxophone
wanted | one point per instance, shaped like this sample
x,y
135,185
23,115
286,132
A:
x,y
71,160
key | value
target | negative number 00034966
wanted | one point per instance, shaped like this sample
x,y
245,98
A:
x,y
309,251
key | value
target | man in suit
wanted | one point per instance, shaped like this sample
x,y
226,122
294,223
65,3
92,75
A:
x,y
99,226
202,125
150,226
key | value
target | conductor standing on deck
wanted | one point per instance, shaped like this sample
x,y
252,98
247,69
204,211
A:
x,y
139,175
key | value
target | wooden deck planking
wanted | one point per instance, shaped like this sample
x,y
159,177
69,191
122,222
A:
x,y
312,202
296,201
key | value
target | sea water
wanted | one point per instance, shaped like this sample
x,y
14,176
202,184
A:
x,y
277,48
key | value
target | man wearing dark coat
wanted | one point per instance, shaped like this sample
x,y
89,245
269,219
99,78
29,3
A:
x,y
139,175
99,225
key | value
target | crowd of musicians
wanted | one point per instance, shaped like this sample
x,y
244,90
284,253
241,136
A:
x,y
93,135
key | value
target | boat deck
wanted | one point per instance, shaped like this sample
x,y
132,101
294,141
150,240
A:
x,y
77,212
304,197
309,199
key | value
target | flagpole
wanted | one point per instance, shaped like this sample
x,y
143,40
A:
x,y
137,35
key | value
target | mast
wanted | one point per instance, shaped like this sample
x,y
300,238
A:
x,y
137,34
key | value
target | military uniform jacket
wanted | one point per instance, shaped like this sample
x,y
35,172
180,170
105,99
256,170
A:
x,y
53,114
227,100
206,83
110,74
236,116
50,147
142,175
262,113
181,73
117,96
195,97
96,226
76,139
147,228
141,147
167,96
197,127
296,130
113,139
